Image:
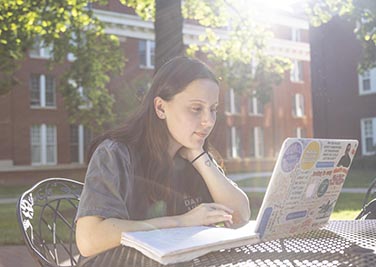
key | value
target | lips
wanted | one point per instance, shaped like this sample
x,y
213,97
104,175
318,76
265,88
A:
x,y
202,134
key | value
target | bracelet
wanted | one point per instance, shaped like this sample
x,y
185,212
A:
x,y
196,158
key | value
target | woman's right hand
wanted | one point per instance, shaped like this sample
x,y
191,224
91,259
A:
x,y
207,214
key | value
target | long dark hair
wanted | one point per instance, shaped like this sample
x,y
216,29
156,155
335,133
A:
x,y
146,133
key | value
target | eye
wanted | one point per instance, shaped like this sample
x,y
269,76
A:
x,y
197,109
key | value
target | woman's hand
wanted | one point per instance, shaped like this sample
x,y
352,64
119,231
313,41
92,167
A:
x,y
207,214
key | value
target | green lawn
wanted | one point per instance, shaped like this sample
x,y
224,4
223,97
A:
x,y
355,178
347,207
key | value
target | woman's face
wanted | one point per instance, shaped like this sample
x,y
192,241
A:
x,y
190,115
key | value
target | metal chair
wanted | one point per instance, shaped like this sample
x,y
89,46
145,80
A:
x,y
46,214
369,203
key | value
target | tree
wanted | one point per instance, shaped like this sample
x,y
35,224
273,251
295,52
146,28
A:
x,y
360,12
70,28
240,56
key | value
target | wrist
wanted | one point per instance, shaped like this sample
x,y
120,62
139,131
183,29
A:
x,y
198,156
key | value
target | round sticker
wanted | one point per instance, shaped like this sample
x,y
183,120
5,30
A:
x,y
291,157
323,187
310,155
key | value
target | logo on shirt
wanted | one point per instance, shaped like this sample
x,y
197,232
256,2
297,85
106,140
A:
x,y
191,203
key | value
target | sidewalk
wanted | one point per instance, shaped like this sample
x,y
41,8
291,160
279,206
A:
x,y
16,256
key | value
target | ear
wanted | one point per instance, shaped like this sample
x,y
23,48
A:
x,y
159,107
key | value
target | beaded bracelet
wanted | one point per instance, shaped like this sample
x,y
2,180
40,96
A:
x,y
196,158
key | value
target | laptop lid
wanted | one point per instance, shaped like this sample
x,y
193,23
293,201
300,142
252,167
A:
x,y
305,184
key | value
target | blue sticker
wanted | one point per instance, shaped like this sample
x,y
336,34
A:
x,y
296,215
264,221
291,157
323,187
325,164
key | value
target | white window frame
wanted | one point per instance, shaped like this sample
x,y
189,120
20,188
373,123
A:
x,y
259,142
149,53
42,92
367,75
233,107
81,144
296,73
43,144
299,132
39,50
298,110
365,135
296,34
256,106
234,148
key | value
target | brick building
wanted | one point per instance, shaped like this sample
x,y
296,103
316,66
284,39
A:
x,y
344,102
37,141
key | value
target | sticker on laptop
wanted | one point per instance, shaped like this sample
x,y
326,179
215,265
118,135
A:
x,y
291,157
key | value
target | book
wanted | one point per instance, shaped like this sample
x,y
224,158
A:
x,y
173,245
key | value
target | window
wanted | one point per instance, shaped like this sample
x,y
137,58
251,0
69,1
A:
x,y
42,91
255,106
85,102
146,50
79,141
300,132
368,129
233,102
256,137
296,35
43,144
234,142
296,74
367,82
298,105
39,50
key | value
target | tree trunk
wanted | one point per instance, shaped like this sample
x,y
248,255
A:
x,y
168,28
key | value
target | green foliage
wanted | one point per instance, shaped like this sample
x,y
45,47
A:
x,y
360,12
70,27
240,52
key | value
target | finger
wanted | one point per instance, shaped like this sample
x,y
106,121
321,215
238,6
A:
x,y
217,219
212,213
219,207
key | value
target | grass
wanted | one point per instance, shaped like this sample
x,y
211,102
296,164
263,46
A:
x,y
347,207
356,178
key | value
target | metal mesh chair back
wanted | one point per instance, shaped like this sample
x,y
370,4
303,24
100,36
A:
x,y
46,214
369,203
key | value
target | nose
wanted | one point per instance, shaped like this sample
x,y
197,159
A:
x,y
208,118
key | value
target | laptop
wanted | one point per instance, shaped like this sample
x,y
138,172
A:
x,y
306,182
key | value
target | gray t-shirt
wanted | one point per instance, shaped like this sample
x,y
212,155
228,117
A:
x,y
114,186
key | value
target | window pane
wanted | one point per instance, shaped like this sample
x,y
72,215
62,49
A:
x,y
51,144
50,92
152,53
237,102
35,90
366,85
237,145
252,148
74,143
142,52
35,144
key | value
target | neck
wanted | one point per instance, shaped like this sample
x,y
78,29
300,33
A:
x,y
173,147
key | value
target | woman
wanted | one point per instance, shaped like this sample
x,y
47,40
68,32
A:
x,y
156,172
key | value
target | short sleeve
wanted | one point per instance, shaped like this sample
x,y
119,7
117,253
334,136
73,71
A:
x,y
107,182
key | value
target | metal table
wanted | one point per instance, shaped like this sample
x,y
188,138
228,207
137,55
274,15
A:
x,y
340,243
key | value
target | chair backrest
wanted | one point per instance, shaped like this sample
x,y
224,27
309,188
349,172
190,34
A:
x,y
46,214
369,203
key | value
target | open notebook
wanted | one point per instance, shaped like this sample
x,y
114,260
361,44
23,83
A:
x,y
307,179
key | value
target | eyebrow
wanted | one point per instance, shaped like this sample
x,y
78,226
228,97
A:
x,y
201,101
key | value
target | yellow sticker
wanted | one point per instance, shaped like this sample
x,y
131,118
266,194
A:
x,y
310,155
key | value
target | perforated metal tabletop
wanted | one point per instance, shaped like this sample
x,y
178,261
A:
x,y
341,243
